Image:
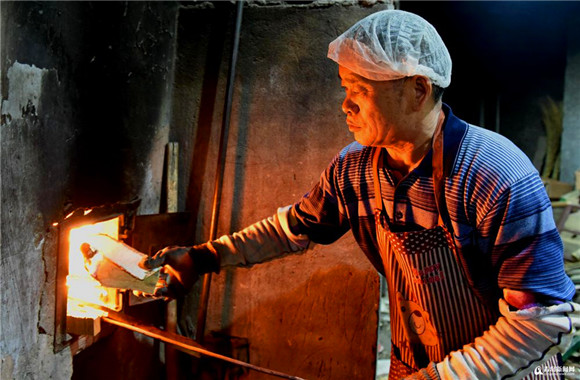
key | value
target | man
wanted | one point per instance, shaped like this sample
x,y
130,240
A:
x,y
454,216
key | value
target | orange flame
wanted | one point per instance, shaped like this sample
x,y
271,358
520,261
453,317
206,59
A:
x,y
83,289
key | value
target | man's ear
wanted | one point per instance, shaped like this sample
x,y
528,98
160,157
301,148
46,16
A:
x,y
422,89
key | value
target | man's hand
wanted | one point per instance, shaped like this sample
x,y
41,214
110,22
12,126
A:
x,y
520,300
182,266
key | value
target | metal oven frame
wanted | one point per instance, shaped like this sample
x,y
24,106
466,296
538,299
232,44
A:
x,y
126,212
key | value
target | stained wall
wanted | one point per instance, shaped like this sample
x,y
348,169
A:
x,y
85,117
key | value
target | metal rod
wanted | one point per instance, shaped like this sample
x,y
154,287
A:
x,y
204,298
188,345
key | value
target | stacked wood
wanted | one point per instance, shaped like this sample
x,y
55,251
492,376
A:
x,y
116,265
552,117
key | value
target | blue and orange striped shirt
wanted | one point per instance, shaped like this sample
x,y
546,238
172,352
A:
x,y
501,216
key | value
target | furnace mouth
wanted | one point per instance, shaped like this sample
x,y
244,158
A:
x,y
81,300
86,296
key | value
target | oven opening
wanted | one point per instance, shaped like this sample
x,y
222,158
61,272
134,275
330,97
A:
x,y
86,296
83,296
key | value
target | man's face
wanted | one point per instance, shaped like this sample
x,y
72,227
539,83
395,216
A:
x,y
374,110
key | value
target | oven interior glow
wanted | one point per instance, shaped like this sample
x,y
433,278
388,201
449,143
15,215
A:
x,y
83,290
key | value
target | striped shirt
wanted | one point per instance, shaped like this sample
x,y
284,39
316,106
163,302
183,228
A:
x,y
501,216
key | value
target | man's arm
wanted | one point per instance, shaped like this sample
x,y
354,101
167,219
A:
x,y
290,230
315,218
519,235
520,341
262,241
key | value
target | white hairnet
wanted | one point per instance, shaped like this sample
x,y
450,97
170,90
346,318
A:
x,y
393,44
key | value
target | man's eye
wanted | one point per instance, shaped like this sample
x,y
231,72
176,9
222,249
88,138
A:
x,y
351,91
354,90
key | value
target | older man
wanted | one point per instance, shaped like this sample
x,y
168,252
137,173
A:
x,y
454,216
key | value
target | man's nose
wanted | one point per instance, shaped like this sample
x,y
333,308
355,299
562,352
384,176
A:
x,y
349,107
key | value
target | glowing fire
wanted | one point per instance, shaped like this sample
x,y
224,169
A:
x,y
83,289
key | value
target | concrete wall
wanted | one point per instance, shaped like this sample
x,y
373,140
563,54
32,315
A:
x,y
85,119
312,315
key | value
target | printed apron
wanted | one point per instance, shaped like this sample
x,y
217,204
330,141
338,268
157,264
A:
x,y
433,309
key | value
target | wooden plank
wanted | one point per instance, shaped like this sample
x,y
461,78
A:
x,y
111,275
172,176
83,326
116,251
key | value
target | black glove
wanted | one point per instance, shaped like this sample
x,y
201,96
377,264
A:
x,y
182,266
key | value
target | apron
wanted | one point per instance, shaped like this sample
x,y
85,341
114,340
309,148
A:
x,y
433,309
